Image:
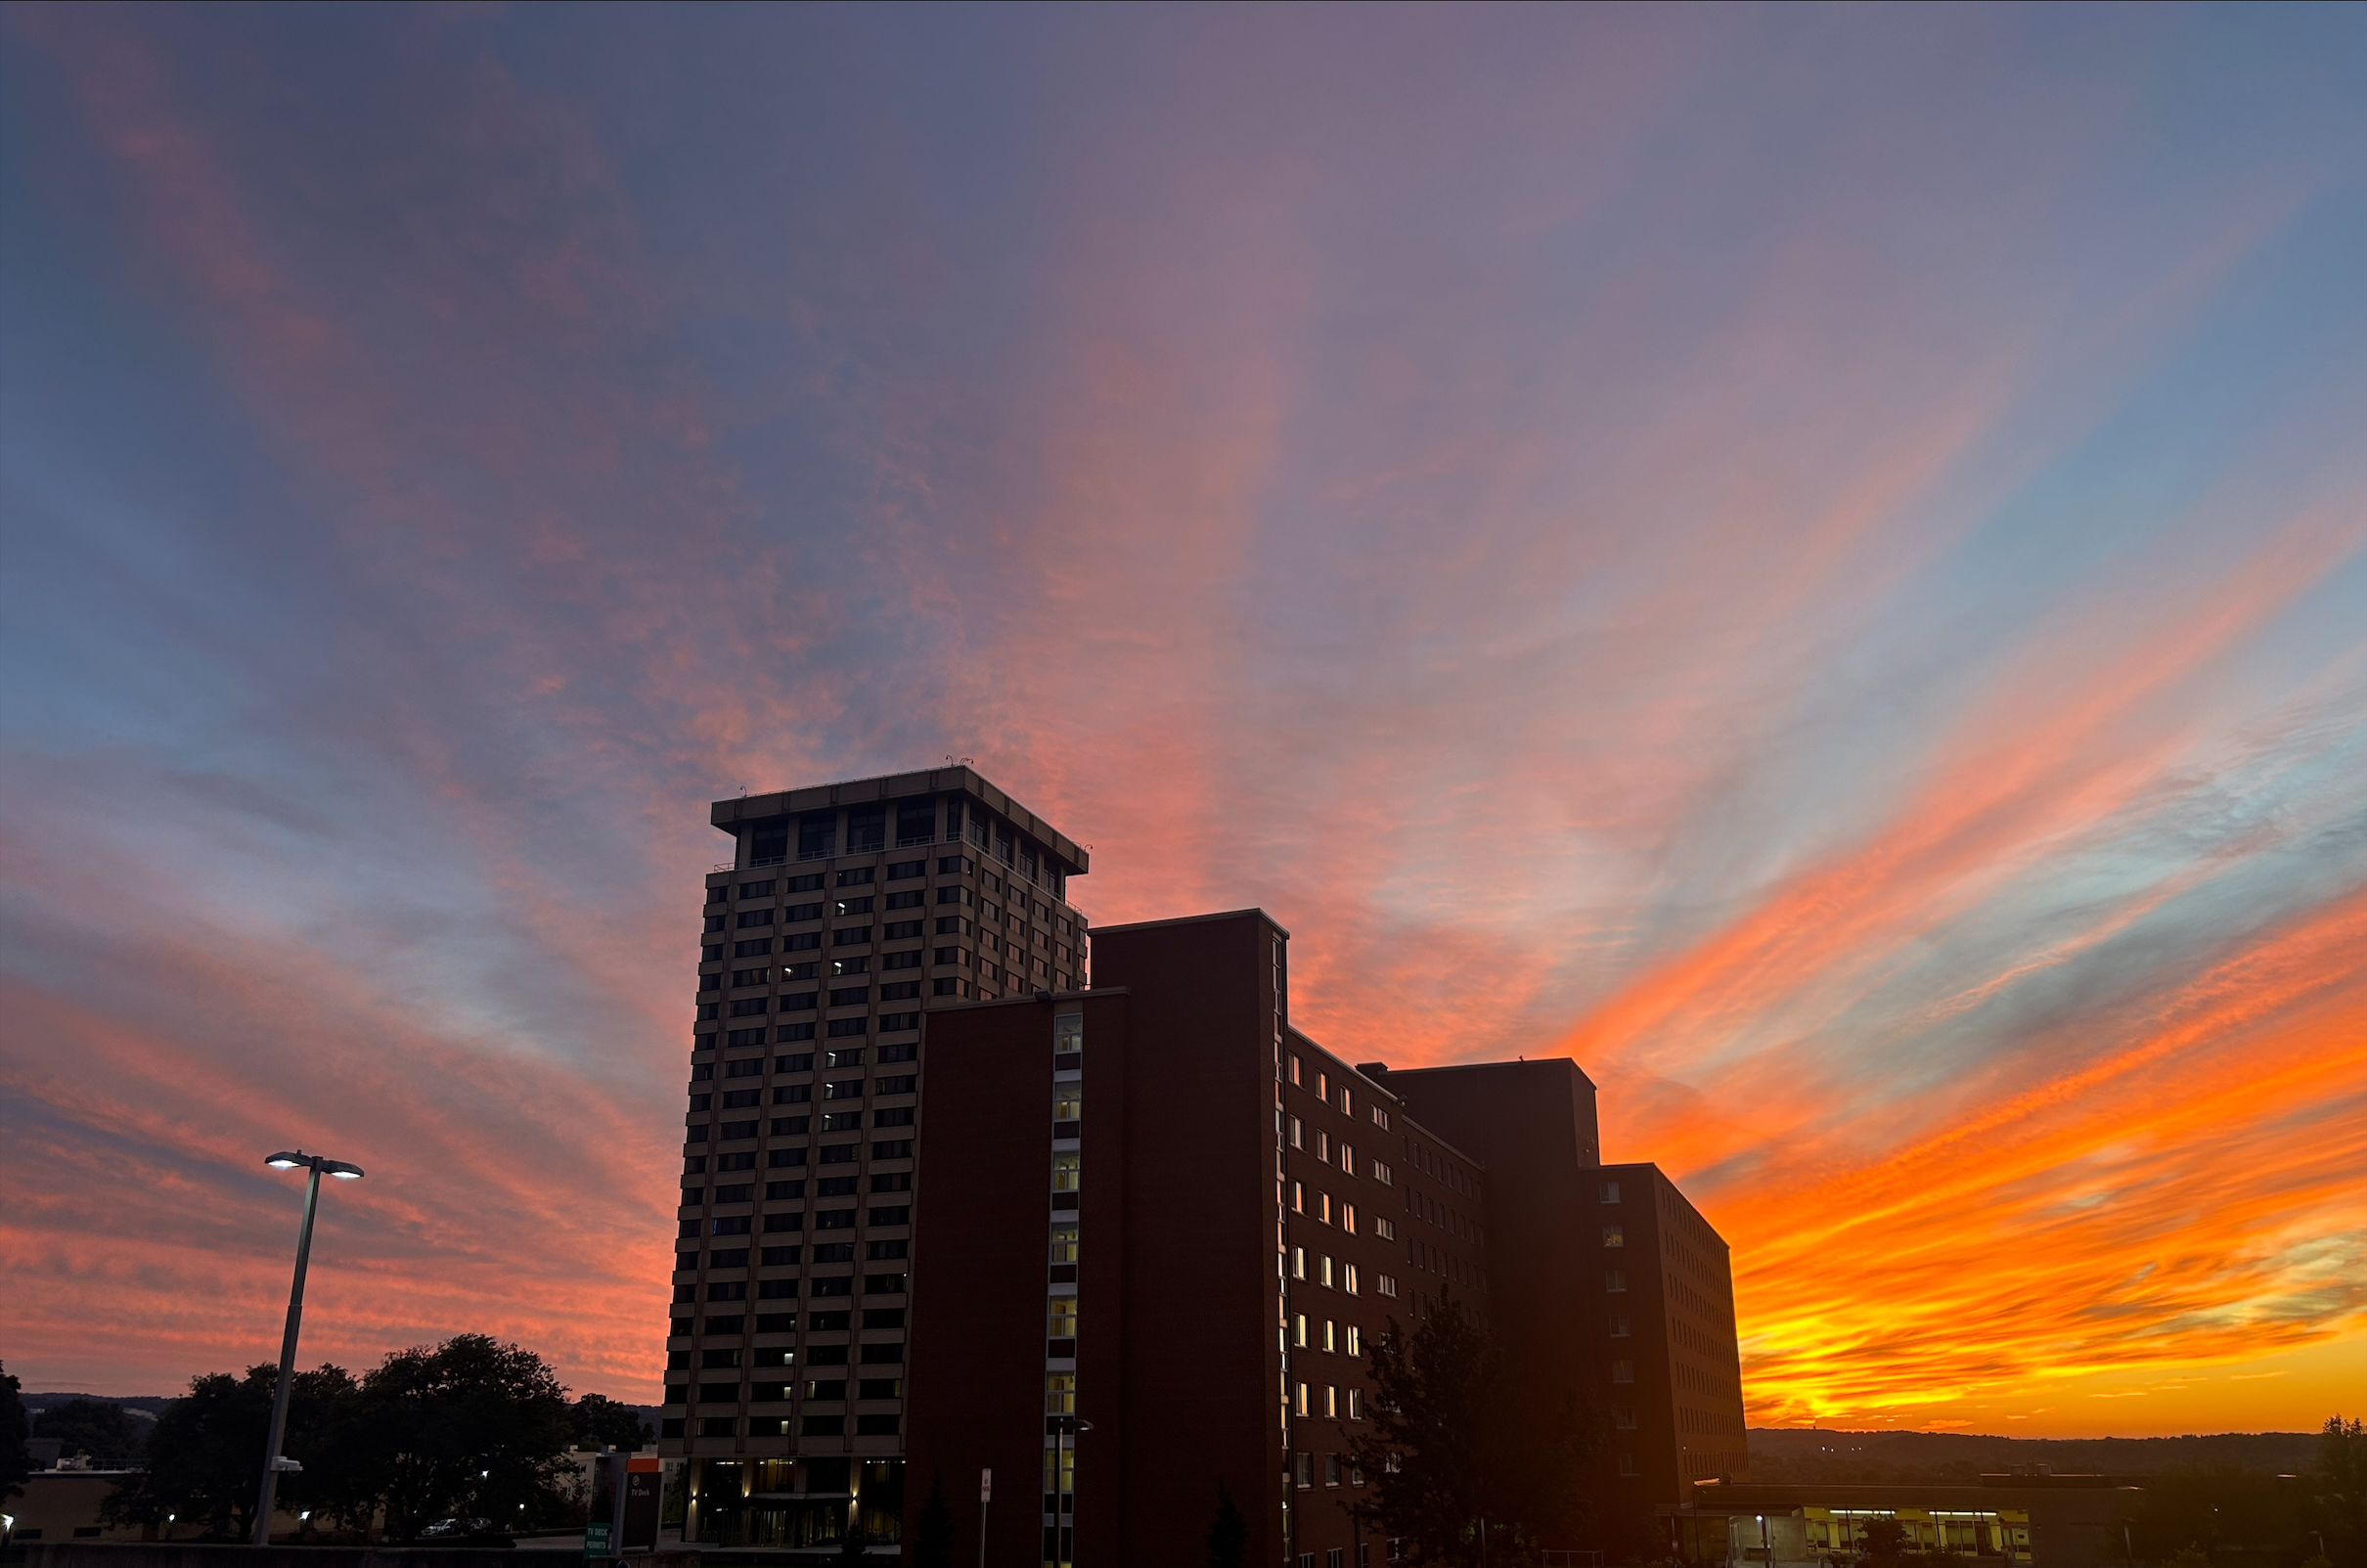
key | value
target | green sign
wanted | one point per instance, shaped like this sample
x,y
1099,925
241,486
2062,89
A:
x,y
596,1540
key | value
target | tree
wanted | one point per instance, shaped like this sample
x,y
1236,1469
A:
x,y
603,1422
1227,1533
15,1461
2339,1479
933,1529
1457,1448
1885,1539
105,1432
470,1429
204,1456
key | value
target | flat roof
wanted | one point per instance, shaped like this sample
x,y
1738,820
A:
x,y
728,815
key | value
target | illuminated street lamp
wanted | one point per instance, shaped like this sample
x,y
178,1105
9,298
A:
x,y
274,1463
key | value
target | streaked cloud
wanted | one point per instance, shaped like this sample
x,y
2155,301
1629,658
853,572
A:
x,y
1811,561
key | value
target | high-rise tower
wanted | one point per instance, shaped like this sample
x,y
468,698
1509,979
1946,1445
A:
x,y
845,911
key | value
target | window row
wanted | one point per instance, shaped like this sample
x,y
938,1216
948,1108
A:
x,y
823,1187
1329,1402
768,1426
874,1285
884,1251
835,1121
836,1320
1325,1271
1345,1339
888,1148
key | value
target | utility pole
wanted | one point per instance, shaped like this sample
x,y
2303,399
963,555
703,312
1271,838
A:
x,y
986,1495
274,1463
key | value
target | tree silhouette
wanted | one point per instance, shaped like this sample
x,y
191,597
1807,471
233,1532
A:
x,y
933,1530
1227,1533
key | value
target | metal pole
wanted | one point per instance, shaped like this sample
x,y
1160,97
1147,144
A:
x,y
288,1350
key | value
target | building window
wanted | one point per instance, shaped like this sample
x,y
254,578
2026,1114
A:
x,y
1382,1174
1331,1472
1384,1227
1298,1331
1614,1236
1627,1466
1614,1280
1619,1326
1348,1218
1331,1411
1610,1191
1298,1263
1306,1477
1622,1372
1355,1404
1303,1402
1348,1280
1385,1284
1624,1418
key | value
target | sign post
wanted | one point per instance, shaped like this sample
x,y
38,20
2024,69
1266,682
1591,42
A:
x,y
986,1495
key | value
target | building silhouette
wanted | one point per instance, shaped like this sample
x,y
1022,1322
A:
x,y
1118,1235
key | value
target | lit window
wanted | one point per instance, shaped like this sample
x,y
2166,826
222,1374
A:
x,y
1348,1158
1061,1315
1348,1218
1330,1335
1068,1171
1355,1340
1347,1101
1384,1227
1302,1403
1385,1283
1065,1244
1298,1263
1323,1265
1347,1278
1059,1393
1297,1133
1331,1411
1614,1236
1298,1330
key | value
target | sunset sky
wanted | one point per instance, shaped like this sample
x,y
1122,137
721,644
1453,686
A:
x,y
1813,559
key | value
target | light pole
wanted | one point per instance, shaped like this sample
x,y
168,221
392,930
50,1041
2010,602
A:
x,y
273,1462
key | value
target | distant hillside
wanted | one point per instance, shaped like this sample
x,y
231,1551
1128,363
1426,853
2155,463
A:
x,y
1790,1454
145,1405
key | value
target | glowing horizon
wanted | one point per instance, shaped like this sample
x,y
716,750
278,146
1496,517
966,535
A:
x,y
1813,561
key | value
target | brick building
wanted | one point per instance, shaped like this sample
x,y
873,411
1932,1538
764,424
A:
x,y
1133,1252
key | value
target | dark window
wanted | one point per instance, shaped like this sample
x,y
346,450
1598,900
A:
x,y
713,922
719,1393
850,936
748,917
842,968
791,1126
667,1426
710,953
855,876
803,1062
702,1102
751,1007
892,1182
877,1388
756,889
904,869
902,1084
799,942
737,1162
768,847
775,1224
893,1148
949,955
711,982
714,1359
788,1032
902,961
721,1326
901,1051
731,1130
702,1072
774,1322
881,1284
877,1425
891,1354
850,995
840,1028
822,1425
953,865
835,1187
916,823
840,1286
854,906
950,988
834,1252
898,931
733,1225
809,883
733,1290
866,829
891,1023
719,892
784,1189
748,1067
793,1094
817,836
902,1116
735,1194
909,900
952,895
844,1087
780,1157
896,1214
902,991
881,1251
842,1121
800,1002
741,977
778,1257
740,1098
744,1037
801,912
844,1153
952,926
695,1164
850,1057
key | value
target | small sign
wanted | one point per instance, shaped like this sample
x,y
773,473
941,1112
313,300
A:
x,y
986,1486
596,1540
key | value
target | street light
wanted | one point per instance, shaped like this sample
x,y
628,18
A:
x,y
274,1463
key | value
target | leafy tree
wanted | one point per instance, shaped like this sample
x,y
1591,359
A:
x,y
470,1429
1457,1448
1885,1539
204,1456
603,1422
1227,1533
105,1432
2340,1478
933,1529
15,1461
